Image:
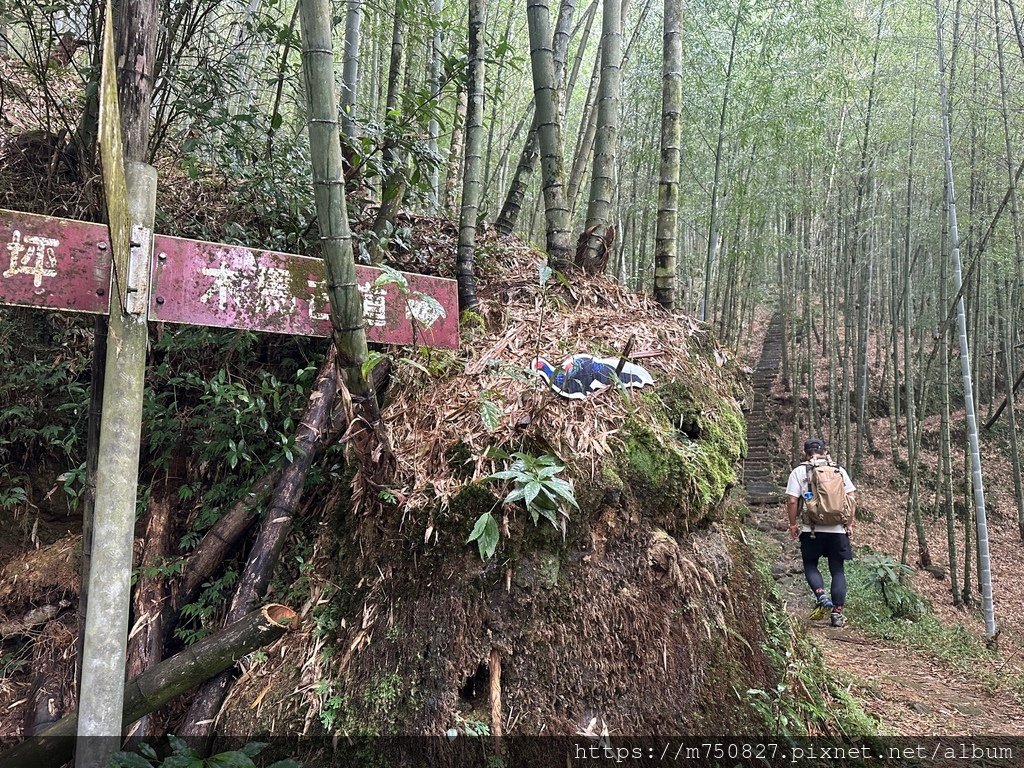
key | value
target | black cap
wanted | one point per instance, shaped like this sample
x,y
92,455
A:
x,y
814,445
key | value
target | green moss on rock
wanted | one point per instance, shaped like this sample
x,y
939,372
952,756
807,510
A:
x,y
683,462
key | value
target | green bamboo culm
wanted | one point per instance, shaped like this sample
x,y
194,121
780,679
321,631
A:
x,y
329,191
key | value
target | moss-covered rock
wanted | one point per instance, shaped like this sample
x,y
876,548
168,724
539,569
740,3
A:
x,y
679,459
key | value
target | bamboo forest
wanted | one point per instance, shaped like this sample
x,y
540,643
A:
x,y
511,383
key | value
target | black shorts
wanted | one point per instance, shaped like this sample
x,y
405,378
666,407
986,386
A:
x,y
832,545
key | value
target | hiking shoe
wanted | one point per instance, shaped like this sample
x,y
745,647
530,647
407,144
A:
x,y
821,608
838,619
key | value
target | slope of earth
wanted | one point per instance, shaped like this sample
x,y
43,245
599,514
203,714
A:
x,y
916,681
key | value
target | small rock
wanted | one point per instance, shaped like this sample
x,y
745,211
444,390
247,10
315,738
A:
x,y
920,708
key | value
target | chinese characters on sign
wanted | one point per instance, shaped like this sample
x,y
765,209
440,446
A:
x,y
33,257
64,264
236,287
54,263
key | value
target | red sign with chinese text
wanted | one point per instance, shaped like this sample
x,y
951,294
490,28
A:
x,y
54,263
230,286
65,264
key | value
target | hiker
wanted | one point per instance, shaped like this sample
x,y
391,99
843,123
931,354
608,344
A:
x,y
820,503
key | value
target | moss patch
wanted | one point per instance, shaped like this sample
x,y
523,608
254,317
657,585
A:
x,y
681,463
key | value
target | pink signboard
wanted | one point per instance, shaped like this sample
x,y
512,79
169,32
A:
x,y
54,263
232,286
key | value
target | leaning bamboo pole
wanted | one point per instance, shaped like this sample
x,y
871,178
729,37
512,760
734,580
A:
x,y
965,356
168,679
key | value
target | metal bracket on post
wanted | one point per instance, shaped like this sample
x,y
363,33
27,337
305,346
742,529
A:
x,y
136,299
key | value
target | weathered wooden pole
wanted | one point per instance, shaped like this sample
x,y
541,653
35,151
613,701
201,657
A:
x,y
131,204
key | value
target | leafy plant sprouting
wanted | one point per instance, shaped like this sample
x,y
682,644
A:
x,y
889,575
183,756
536,485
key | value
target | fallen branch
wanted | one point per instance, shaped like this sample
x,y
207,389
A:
x,y
999,411
197,729
168,679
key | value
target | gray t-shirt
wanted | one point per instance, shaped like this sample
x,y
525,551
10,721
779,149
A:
x,y
796,486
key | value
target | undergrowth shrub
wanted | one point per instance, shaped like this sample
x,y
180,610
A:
x,y
880,603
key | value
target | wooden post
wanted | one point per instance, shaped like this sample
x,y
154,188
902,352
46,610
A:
x,y
131,205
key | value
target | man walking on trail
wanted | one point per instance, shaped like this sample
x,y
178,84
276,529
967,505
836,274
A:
x,y
820,506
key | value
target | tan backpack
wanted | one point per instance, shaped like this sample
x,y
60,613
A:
x,y
825,501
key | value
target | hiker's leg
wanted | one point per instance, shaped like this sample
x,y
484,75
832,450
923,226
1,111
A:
x,y
814,578
838,589
810,553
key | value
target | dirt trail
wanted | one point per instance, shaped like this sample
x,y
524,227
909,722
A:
x,y
908,691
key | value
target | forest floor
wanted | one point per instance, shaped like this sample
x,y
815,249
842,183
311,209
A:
x,y
934,677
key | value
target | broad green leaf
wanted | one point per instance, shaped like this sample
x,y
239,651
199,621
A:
x,y
515,495
545,274
490,414
530,491
180,746
505,474
486,534
253,748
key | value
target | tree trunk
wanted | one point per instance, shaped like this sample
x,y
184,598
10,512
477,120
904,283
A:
x,y
713,224
666,238
434,126
349,333
548,129
513,205
216,542
454,170
965,357
146,640
595,242
471,176
393,186
350,68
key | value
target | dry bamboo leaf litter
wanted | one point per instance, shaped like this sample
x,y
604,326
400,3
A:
x,y
438,414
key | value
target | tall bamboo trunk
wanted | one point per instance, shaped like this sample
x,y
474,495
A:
x,y
434,125
965,357
453,172
350,68
472,180
594,244
713,219
548,129
946,453
513,204
667,234
393,186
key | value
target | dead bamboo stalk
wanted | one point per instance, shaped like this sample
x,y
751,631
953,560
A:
x,y
168,679
495,677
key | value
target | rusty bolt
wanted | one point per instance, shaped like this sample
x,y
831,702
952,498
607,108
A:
x,y
159,299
